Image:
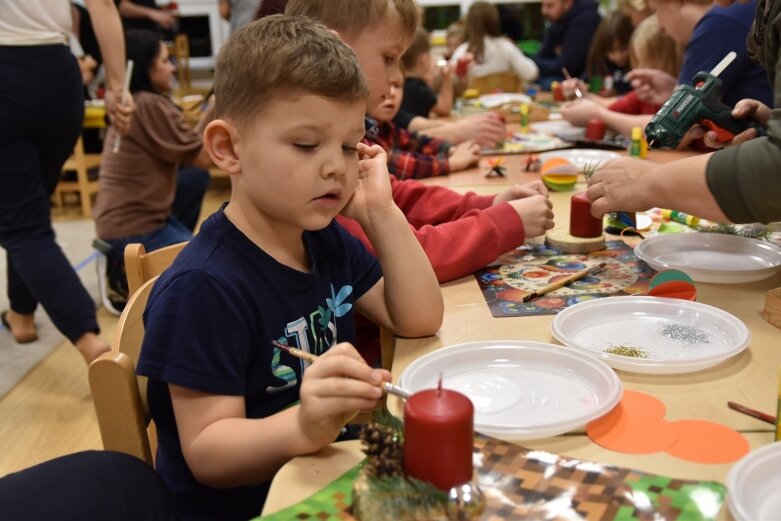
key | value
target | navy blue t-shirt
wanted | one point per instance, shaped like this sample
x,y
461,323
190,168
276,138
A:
x,y
209,324
721,30
418,97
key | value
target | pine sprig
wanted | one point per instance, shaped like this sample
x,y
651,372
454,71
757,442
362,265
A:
x,y
589,169
761,232
404,495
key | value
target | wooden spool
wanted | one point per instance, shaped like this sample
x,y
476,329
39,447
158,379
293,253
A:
x,y
560,239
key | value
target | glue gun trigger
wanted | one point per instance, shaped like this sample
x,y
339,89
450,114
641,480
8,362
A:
x,y
722,134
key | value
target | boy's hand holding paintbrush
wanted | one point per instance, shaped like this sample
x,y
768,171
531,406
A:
x,y
334,390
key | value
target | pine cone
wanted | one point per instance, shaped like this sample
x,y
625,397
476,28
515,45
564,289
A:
x,y
383,449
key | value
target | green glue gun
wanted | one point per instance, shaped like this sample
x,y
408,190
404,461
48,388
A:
x,y
698,104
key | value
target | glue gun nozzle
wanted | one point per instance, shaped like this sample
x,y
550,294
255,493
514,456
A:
x,y
651,143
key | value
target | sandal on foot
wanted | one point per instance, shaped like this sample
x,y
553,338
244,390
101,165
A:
x,y
19,339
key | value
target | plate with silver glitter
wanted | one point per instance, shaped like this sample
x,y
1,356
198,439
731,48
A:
x,y
652,334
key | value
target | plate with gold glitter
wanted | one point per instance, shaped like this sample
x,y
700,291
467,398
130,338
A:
x,y
652,334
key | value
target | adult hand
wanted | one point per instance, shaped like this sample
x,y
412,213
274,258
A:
x,y
521,191
652,85
162,18
536,213
621,185
578,112
120,112
744,109
334,389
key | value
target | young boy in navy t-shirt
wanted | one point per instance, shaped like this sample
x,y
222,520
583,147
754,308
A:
x,y
272,265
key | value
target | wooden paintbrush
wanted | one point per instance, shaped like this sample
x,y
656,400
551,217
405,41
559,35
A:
x,y
563,282
567,75
309,357
767,418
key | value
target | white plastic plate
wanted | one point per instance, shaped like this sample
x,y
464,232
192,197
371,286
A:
x,y
712,257
679,336
581,157
754,485
521,390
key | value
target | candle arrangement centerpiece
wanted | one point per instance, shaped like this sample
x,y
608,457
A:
x,y
423,468
584,233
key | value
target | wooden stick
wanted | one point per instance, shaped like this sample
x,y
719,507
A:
x,y
125,93
752,412
567,75
563,282
309,357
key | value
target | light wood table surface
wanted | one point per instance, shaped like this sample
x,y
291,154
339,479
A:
x,y
750,378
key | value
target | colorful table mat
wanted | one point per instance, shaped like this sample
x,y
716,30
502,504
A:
x,y
525,270
520,483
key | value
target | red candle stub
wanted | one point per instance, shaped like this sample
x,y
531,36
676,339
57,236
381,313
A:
x,y
595,129
439,437
581,222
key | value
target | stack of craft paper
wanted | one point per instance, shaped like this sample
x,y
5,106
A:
x,y
559,175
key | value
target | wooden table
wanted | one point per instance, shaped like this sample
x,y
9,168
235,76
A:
x,y
750,378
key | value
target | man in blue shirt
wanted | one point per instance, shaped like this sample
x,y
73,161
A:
x,y
568,40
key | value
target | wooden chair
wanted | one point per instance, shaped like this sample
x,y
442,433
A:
x,y
141,266
81,163
499,82
118,394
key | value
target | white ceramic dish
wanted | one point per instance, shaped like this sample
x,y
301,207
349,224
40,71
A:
x,y
679,336
581,157
712,257
521,390
754,485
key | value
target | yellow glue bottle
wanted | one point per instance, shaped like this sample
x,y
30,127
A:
x,y
680,217
636,144
525,118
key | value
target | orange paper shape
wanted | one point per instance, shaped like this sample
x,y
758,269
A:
x,y
635,426
707,442
558,166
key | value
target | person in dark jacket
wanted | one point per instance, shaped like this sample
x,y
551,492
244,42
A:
x,y
568,39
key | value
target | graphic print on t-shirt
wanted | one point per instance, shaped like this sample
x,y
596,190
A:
x,y
313,334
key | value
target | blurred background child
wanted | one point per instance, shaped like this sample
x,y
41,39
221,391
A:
x,y
608,58
636,10
412,155
650,48
419,97
491,51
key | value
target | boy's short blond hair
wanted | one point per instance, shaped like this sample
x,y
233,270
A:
x,y
352,17
283,55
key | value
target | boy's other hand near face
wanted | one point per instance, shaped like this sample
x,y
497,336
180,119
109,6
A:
x,y
536,213
373,192
463,155
334,389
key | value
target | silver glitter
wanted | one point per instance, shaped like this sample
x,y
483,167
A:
x,y
688,334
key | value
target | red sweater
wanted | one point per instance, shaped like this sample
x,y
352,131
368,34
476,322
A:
x,y
631,104
459,233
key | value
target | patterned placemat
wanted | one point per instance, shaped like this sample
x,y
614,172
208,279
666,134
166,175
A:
x,y
520,483
522,271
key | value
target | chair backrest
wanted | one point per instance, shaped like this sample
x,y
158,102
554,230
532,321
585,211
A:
x,y
141,266
499,82
118,394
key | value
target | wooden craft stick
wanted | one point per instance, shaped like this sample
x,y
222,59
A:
x,y
767,418
125,93
309,357
563,282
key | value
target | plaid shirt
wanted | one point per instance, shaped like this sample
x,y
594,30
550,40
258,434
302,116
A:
x,y
411,155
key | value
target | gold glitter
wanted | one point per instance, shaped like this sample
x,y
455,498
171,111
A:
x,y
625,350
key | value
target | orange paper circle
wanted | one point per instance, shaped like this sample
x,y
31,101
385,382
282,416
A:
x,y
707,442
635,426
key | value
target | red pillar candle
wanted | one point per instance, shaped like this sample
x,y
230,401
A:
x,y
439,437
581,222
595,129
